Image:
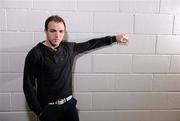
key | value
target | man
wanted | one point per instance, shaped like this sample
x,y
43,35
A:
x,y
47,80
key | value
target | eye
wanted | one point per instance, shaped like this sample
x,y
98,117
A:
x,y
52,30
61,31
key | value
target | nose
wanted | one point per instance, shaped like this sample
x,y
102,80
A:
x,y
57,34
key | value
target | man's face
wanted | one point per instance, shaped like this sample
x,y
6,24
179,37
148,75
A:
x,y
55,33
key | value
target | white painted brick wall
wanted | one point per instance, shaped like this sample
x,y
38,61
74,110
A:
x,y
78,18
16,4
139,6
4,66
98,5
11,82
112,63
177,25
5,102
139,81
170,6
66,5
153,23
16,41
163,82
151,64
175,64
25,20
113,22
2,20
168,44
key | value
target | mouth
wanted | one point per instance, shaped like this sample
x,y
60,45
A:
x,y
56,40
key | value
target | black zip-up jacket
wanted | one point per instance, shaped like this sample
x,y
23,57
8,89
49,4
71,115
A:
x,y
48,73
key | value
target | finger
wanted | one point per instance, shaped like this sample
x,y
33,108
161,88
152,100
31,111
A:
x,y
125,36
124,39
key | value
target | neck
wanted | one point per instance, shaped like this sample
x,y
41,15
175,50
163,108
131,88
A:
x,y
49,44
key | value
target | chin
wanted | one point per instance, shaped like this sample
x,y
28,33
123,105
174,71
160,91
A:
x,y
56,44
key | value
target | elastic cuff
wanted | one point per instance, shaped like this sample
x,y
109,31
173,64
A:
x,y
113,39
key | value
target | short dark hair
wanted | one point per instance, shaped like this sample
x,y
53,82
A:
x,y
54,18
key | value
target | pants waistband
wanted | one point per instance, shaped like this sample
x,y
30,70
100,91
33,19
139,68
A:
x,y
60,101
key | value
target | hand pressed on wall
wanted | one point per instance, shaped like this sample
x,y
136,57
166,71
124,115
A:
x,y
122,38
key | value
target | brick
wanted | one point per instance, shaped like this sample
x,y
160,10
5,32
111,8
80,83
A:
x,y
165,115
135,115
168,44
9,64
101,116
173,101
97,5
129,101
139,6
24,20
138,44
84,101
157,24
116,115
19,4
78,21
16,41
135,82
83,63
113,22
177,25
95,82
11,82
151,64
170,6
4,102
163,82
112,63
4,65
175,64
39,37
13,66
19,102
2,20
67,5
17,116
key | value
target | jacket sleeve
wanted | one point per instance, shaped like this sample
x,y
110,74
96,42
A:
x,y
29,84
93,43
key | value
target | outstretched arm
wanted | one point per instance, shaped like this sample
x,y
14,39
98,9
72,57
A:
x,y
100,42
